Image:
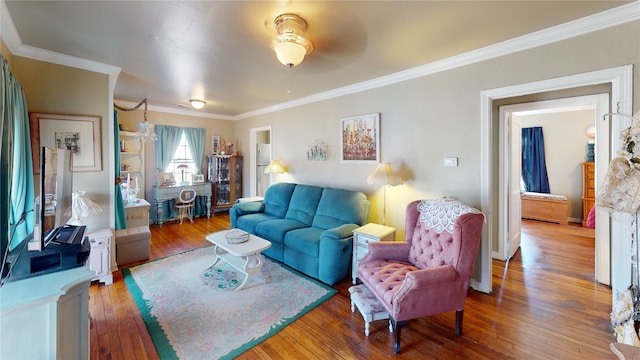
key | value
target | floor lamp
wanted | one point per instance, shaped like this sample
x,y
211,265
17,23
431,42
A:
x,y
383,176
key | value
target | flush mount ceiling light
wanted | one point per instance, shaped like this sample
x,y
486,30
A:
x,y
197,104
291,46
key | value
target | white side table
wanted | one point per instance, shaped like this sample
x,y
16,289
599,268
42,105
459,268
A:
x,y
101,259
361,238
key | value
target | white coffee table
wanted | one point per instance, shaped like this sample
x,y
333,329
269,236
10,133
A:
x,y
246,257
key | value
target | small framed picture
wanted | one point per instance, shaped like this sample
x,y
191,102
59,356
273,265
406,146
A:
x,y
197,178
166,179
360,138
215,144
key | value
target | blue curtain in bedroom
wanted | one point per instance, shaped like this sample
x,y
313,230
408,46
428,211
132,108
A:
x,y
16,164
534,165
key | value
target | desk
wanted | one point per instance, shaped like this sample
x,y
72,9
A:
x,y
161,194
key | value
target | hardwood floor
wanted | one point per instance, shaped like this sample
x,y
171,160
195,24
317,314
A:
x,y
544,305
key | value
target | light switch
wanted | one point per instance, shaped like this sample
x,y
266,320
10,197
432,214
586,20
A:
x,y
450,161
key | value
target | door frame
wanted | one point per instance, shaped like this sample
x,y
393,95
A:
x,y
253,156
599,104
621,80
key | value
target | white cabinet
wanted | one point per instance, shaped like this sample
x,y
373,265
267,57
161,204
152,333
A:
x,y
362,236
137,213
132,160
46,316
102,259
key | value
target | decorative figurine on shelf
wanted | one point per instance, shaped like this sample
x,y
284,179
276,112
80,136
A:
x,y
222,147
230,149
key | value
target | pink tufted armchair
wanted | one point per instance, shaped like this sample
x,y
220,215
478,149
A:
x,y
429,272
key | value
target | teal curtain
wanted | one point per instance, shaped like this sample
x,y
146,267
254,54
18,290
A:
x,y
196,140
17,183
121,218
168,140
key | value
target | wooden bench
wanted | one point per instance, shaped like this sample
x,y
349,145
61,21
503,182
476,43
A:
x,y
544,207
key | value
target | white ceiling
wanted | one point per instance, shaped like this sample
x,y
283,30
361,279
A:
x,y
171,51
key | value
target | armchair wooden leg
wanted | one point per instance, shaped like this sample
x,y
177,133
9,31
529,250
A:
x,y
459,314
396,330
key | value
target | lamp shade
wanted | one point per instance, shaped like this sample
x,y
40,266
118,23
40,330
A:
x,y
384,175
82,206
289,53
591,134
274,167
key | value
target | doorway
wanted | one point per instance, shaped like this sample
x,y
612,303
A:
x,y
591,108
260,156
621,81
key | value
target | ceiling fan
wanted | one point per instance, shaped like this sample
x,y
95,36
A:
x,y
336,37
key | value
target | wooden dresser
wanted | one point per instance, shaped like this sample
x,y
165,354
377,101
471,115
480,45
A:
x,y
588,189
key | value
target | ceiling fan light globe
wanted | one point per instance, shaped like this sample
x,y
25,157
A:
x,y
197,104
289,53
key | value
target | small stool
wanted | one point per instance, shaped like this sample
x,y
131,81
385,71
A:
x,y
132,244
368,305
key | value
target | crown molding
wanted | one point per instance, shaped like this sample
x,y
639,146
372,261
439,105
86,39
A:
x,y
170,110
8,32
606,19
11,37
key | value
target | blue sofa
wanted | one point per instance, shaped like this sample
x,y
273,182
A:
x,y
310,227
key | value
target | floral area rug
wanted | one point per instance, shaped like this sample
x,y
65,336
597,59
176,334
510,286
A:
x,y
192,311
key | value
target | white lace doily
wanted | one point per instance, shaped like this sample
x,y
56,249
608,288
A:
x,y
441,214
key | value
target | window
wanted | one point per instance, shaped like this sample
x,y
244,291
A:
x,y
182,165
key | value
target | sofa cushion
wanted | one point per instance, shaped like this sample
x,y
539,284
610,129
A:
x,y
274,230
241,209
338,207
277,197
303,204
250,221
306,240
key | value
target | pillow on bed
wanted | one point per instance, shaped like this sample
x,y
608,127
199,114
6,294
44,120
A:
x,y
591,218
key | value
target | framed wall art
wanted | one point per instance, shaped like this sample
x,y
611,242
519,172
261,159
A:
x,y
360,138
215,144
78,133
166,179
197,178
318,151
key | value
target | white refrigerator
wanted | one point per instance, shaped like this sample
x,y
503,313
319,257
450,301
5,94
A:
x,y
263,158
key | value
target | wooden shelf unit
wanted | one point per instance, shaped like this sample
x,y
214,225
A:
x,y
132,159
225,172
